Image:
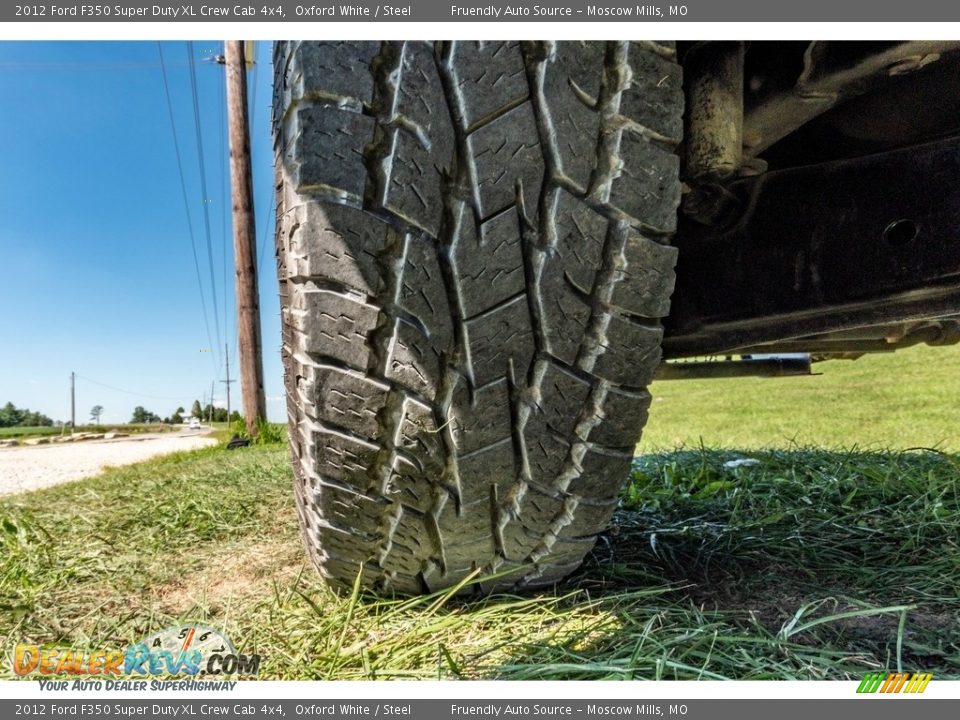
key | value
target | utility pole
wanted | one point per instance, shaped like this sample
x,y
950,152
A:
x,y
73,401
210,414
244,239
228,381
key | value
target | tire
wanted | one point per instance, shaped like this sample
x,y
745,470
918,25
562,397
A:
x,y
473,261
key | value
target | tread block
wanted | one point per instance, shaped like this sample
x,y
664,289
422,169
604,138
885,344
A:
x,y
343,398
654,97
574,66
489,75
473,522
365,514
479,550
646,187
647,277
339,543
343,458
409,544
565,316
493,466
550,576
546,453
422,142
420,437
483,421
420,97
337,243
504,154
582,63
436,580
410,487
412,189
488,266
337,68
413,363
538,510
330,146
631,352
590,520
581,235
343,573
498,338
562,396
519,541
567,554
335,325
603,475
625,414
421,288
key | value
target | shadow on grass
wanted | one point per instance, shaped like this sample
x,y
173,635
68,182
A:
x,y
781,564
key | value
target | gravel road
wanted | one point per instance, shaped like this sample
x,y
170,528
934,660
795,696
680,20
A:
x,y
32,468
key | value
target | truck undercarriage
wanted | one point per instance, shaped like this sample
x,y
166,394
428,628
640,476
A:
x,y
819,212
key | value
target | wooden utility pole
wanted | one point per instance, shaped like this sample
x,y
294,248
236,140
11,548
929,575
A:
x,y
244,239
228,381
73,401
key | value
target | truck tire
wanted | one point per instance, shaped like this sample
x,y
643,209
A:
x,y
473,256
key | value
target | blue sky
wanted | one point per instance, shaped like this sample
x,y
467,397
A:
x,y
97,273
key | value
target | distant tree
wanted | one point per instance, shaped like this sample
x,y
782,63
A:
x,y
236,417
95,412
142,415
196,411
177,416
35,419
10,415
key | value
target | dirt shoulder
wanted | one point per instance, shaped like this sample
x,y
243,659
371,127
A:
x,y
32,468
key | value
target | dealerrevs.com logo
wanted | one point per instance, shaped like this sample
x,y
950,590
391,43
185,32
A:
x,y
183,650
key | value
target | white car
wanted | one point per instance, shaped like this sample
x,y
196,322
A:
x,y
194,423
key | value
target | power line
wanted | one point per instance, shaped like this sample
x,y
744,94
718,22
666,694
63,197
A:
x,y
186,202
225,190
271,210
93,66
131,392
203,190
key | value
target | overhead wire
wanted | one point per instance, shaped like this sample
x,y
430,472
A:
x,y
225,191
186,202
203,188
131,392
270,205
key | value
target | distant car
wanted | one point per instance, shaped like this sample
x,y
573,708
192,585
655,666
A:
x,y
194,423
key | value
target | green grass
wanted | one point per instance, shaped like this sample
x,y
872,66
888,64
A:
x,y
18,432
28,432
812,563
907,399
803,566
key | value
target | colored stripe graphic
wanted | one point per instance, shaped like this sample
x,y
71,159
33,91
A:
x,y
870,683
894,683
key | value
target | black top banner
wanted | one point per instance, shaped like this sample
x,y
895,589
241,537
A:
x,y
618,11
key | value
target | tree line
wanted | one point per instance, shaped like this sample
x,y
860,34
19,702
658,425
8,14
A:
x,y
12,416
209,412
